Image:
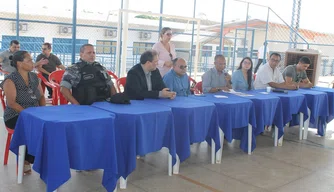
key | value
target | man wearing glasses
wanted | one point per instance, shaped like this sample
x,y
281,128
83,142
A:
x,y
217,79
53,63
269,75
177,79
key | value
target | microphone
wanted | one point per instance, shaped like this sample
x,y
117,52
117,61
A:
x,y
279,90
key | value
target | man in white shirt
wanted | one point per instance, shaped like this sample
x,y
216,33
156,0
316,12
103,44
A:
x,y
269,75
260,56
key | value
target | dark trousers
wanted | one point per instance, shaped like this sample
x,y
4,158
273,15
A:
x,y
49,88
11,125
258,65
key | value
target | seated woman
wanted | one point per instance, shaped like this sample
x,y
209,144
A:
x,y
242,79
22,89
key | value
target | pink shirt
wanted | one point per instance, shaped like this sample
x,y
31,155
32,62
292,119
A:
x,y
164,56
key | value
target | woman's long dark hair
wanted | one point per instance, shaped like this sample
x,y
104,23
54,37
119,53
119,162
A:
x,y
249,72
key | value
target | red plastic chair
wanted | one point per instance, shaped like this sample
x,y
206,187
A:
x,y
192,85
120,82
4,72
55,79
10,131
113,75
47,83
198,88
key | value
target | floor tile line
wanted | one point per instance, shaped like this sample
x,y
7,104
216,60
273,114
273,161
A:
x,y
198,183
299,178
236,179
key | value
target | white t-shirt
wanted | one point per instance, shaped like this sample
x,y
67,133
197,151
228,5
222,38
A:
x,y
261,51
266,75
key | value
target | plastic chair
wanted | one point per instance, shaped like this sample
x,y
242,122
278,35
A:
x,y
4,72
192,85
47,83
10,131
198,88
55,79
113,75
120,82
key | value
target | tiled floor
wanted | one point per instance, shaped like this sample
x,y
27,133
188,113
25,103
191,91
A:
x,y
304,166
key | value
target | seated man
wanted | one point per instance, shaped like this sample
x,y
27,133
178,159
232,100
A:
x,y
216,79
88,79
144,79
177,79
52,65
297,73
269,75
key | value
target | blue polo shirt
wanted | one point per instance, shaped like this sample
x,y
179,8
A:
x,y
176,83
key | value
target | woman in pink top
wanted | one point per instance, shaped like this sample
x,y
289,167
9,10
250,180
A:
x,y
166,50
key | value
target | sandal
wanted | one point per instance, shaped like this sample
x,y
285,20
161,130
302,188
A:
x,y
27,169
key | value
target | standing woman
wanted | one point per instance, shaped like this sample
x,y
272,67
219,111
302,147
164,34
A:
x,y
166,50
22,89
242,79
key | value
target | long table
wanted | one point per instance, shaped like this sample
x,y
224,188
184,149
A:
x,y
140,129
236,117
194,121
64,137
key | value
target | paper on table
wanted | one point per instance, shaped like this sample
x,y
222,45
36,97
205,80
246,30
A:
x,y
233,92
220,96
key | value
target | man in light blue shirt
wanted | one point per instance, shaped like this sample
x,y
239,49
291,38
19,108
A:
x,y
216,79
177,79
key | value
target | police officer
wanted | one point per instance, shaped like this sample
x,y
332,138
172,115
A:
x,y
88,79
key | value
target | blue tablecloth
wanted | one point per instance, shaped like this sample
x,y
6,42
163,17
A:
x,y
68,136
234,115
330,95
317,102
140,129
292,104
194,121
268,109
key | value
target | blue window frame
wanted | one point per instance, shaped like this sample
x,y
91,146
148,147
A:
x,y
106,47
141,47
206,51
227,51
64,45
31,44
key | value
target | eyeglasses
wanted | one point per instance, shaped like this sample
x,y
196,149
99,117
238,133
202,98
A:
x,y
274,60
44,49
183,67
169,34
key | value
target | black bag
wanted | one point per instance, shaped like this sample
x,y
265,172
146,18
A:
x,y
120,98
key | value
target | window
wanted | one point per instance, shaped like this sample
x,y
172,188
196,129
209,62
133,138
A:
x,y
227,51
254,54
106,47
141,47
31,44
206,51
241,52
64,45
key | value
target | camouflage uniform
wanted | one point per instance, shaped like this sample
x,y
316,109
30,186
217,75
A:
x,y
72,75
